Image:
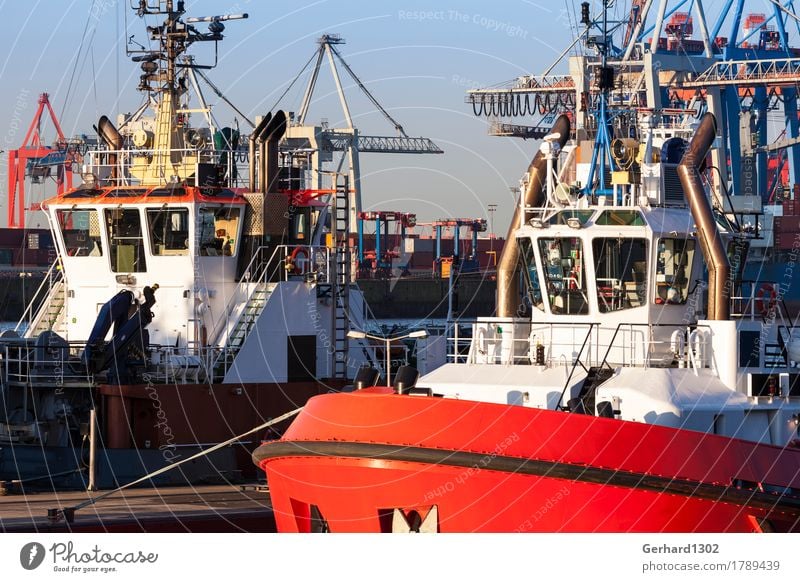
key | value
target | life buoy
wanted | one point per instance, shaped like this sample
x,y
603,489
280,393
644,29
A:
x,y
298,261
766,298
481,341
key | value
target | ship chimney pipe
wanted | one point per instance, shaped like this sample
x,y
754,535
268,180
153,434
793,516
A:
x,y
254,136
508,265
711,243
113,140
270,137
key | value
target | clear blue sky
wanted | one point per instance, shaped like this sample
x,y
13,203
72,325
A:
x,y
417,56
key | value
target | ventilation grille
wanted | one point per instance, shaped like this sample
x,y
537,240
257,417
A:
x,y
671,186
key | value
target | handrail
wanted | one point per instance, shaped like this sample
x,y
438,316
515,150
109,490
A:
x,y
125,160
242,284
261,272
649,326
29,309
264,272
575,364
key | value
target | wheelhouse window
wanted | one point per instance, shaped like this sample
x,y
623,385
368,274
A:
x,y
533,289
169,231
124,228
80,231
674,262
620,266
218,230
620,218
565,276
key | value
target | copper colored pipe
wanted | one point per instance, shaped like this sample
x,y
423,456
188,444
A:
x,y
254,137
508,265
271,136
113,140
711,243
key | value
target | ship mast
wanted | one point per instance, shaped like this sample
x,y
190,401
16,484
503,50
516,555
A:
x,y
169,161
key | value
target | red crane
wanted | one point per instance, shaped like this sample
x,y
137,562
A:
x,y
35,159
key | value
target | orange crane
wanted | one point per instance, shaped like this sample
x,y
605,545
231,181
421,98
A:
x,y
36,160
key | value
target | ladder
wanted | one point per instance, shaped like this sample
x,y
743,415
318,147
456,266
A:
x,y
341,275
50,312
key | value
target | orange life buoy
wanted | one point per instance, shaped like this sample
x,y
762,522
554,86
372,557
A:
x,y
299,259
766,297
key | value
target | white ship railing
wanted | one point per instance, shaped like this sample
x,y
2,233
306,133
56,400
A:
x,y
284,264
43,296
45,366
278,267
570,344
758,299
97,163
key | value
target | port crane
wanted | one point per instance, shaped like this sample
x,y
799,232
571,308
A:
x,y
742,75
310,147
35,160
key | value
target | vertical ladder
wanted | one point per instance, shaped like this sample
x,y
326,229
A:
x,y
341,274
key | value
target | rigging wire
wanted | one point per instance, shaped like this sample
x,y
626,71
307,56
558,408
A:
x,y
289,88
77,58
219,94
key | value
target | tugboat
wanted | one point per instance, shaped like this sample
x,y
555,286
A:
x,y
183,309
617,389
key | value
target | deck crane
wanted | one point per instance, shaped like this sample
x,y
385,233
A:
x,y
36,160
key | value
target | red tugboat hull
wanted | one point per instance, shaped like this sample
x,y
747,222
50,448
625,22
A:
x,y
368,461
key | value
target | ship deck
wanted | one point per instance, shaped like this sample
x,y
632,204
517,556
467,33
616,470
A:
x,y
207,508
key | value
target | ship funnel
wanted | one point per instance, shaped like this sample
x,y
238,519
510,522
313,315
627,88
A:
x,y
711,243
113,140
254,138
508,265
269,139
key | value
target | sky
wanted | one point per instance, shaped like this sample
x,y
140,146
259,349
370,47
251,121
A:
x,y
418,57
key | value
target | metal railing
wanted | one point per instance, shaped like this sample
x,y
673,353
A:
x,y
42,297
45,366
627,344
272,269
759,299
131,160
284,263
693,356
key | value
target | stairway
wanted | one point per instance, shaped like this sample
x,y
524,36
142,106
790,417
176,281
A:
x,y
596,376
244,325
50,311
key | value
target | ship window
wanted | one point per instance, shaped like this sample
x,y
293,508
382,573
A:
x,y
299,225
533,289
561,218
562,261
620,267
125,238
673,270
620,218
169,231
218,230
80,230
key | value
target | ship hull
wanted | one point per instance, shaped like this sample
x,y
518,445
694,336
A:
x,y
143,428
354,462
